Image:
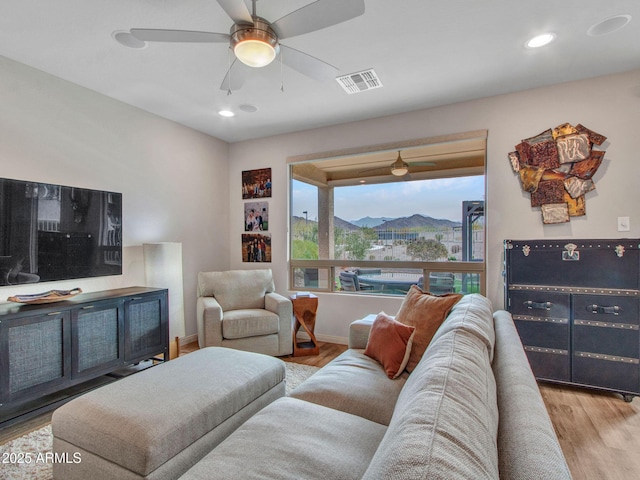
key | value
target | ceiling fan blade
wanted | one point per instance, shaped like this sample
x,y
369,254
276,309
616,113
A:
x,y
371,171
237,10
186,36
235,77
421,164
306,64
317,15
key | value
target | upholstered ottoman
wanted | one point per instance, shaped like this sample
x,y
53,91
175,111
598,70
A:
x,y
157,423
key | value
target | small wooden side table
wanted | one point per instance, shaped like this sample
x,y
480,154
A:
x,y
304,312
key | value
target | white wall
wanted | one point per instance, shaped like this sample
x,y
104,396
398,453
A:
x,y
181,185
174,180
609,105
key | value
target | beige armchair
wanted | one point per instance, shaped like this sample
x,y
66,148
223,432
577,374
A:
x,y
240,309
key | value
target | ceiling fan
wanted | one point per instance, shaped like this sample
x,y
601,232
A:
x,y
255,41
399,168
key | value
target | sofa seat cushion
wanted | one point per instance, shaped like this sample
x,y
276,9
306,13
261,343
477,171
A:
x,y
249,323
445,421
356,384
291,438
143,421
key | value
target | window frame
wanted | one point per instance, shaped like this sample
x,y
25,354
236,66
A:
x,y
332,265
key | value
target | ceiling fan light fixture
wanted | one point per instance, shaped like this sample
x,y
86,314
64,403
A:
x,y
399,168
254,45
399,171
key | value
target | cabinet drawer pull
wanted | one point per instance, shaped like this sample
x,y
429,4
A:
x,y
613,310
53,313
136,298
88,307
538,305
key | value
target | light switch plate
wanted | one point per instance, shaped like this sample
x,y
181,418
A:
x,y
623,224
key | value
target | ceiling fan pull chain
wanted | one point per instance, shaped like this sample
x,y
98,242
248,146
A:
x,y
229,92
281,74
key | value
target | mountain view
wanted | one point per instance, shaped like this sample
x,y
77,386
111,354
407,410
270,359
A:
x,y
383,223
370,221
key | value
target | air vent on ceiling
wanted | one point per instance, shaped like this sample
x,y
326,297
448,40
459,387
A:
x,y
360,81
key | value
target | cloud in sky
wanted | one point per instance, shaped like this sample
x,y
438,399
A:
x,y
438,198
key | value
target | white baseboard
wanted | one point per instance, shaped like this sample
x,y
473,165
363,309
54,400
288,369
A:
x,y
323,338
332,339
188,339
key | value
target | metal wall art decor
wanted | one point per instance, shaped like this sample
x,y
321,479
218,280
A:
x,y
557,167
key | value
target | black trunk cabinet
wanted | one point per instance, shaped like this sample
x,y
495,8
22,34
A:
x,y
575,304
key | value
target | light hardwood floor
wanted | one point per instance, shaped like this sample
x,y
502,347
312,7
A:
x,y
599,432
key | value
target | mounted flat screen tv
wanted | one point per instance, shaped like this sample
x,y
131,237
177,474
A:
x,y
53,232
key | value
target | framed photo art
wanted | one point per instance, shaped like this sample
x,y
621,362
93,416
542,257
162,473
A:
x,y
256,247
256,216
256,183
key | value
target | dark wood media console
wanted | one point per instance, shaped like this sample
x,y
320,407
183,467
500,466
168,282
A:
x,y
50,353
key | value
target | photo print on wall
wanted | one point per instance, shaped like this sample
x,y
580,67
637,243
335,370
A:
x,y
256,247
256,216
256,183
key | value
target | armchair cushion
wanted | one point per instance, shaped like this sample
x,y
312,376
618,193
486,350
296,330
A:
x,y
236,289
249,323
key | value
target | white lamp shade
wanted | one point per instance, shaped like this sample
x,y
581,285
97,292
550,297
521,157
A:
x,y
163,269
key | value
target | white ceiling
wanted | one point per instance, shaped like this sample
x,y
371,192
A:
x,y
426,53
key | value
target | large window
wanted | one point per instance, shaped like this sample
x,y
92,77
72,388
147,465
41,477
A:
x,y
357,226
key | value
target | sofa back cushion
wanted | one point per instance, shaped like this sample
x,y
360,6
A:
x,y
236,289
473,314
445,421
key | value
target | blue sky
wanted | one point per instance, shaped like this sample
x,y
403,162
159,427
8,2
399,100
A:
x,y
440,198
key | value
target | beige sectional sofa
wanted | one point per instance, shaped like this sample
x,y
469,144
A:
x,y
471,409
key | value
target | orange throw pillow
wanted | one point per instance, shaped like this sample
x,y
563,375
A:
x,y
426,312
390,344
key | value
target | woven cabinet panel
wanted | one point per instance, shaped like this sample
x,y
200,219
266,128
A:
x,y
97,338
144,325
35,354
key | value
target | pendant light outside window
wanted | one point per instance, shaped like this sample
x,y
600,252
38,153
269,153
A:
x,y
399,168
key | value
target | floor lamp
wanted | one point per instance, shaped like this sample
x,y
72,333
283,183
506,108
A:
x,y
163,269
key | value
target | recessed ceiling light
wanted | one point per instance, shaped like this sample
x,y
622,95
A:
x,y
128,40
226,113
609,25
540,40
